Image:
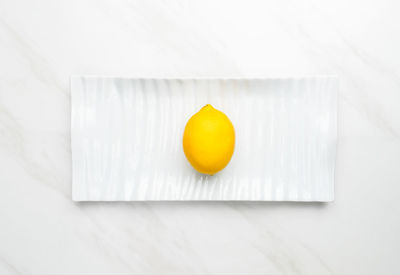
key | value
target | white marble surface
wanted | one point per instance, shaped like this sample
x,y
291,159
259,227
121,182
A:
x,y
43,42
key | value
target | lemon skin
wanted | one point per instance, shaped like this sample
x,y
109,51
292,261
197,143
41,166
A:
x,y
209,140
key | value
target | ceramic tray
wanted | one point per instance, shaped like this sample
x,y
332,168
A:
x,y
127,139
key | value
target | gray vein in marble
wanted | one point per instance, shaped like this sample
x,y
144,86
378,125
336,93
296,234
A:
x,y
123,236
368,60
38,65
284,257
13,138
376,118
10,267
281,259
372,63
105,245
318,257
162,24
102,235
103,242
10,128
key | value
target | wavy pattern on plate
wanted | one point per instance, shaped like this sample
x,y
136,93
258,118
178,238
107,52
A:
x,y
127,139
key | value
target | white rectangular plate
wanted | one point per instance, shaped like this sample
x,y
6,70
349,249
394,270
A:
x,y
127,139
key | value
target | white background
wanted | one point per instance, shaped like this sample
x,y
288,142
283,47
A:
x,y
43,42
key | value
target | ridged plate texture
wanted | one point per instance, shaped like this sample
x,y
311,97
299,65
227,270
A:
x,y
127,138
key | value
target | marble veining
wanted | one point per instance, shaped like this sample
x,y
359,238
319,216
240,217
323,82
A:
x,y
43,43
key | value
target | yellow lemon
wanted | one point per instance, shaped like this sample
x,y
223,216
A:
x,y
209,140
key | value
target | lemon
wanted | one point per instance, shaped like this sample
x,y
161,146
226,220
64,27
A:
x,y
209,140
